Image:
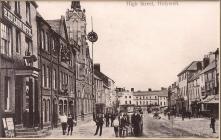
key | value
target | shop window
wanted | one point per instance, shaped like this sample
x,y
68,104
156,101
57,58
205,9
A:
x,y
17,7
18,41
7,93
5,33
28,13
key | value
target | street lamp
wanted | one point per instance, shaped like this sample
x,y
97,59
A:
x,y
92,37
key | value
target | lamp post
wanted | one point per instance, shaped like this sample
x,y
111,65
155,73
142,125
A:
x,y
92,37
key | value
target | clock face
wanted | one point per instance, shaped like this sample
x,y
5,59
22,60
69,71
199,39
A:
x,y
92,36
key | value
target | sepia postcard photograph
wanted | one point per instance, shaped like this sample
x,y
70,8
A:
x,y
108,69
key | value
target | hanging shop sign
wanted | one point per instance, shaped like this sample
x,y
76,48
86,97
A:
x,y
17,22
92,36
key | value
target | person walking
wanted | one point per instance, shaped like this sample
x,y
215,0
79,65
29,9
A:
x,y
112,119
107,117
116,124
212,124
63,119
123,123
136,120
99,122
70,123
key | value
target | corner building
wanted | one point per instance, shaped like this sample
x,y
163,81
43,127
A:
x,y
19,92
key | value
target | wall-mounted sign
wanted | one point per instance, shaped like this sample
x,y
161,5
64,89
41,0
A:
x,y
16,21
9,128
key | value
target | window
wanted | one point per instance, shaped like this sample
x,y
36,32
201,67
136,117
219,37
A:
x,y
47,76
46,42
129,96
18,41
42,38
5,39
52,44
125,102
54,78
155,97
17,7
43,75
129,102
28,12
7,93
28,47
126,97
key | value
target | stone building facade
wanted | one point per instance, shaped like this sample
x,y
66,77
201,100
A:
x,y
76,28
19,96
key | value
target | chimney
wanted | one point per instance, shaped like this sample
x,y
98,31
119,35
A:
x,y
205,62
132,89
199,66
149,89
97,67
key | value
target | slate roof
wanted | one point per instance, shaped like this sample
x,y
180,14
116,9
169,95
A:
x,y
55,25
191,66
195,76
212,65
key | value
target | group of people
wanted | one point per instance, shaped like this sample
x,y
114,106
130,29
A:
x,y
121,123
67,122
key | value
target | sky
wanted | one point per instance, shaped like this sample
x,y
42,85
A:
x,y
145,47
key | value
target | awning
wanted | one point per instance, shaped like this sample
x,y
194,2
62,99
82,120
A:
x,y
211,99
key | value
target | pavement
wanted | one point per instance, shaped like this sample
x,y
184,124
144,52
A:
x,y
84,130
153,128
176,127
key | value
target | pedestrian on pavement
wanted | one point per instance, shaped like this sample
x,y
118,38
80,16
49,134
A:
x,y
123,123
183,115
136,120
63,119
99,122
107,119
116,124
112,119
70,123
212,124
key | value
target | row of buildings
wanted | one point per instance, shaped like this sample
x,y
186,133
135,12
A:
x,y
143,99
197,87
45,67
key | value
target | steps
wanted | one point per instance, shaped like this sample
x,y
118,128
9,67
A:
x,y
21,132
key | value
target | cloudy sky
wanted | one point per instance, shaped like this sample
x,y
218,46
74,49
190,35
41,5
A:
x,y
146,46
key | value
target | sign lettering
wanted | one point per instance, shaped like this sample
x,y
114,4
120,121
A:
x,y
17,22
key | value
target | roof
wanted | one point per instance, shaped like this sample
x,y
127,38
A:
x,y
195,76
55,25
156,92
212,65
102,76
191,66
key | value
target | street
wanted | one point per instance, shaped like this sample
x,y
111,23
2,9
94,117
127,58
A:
x,y
153,128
